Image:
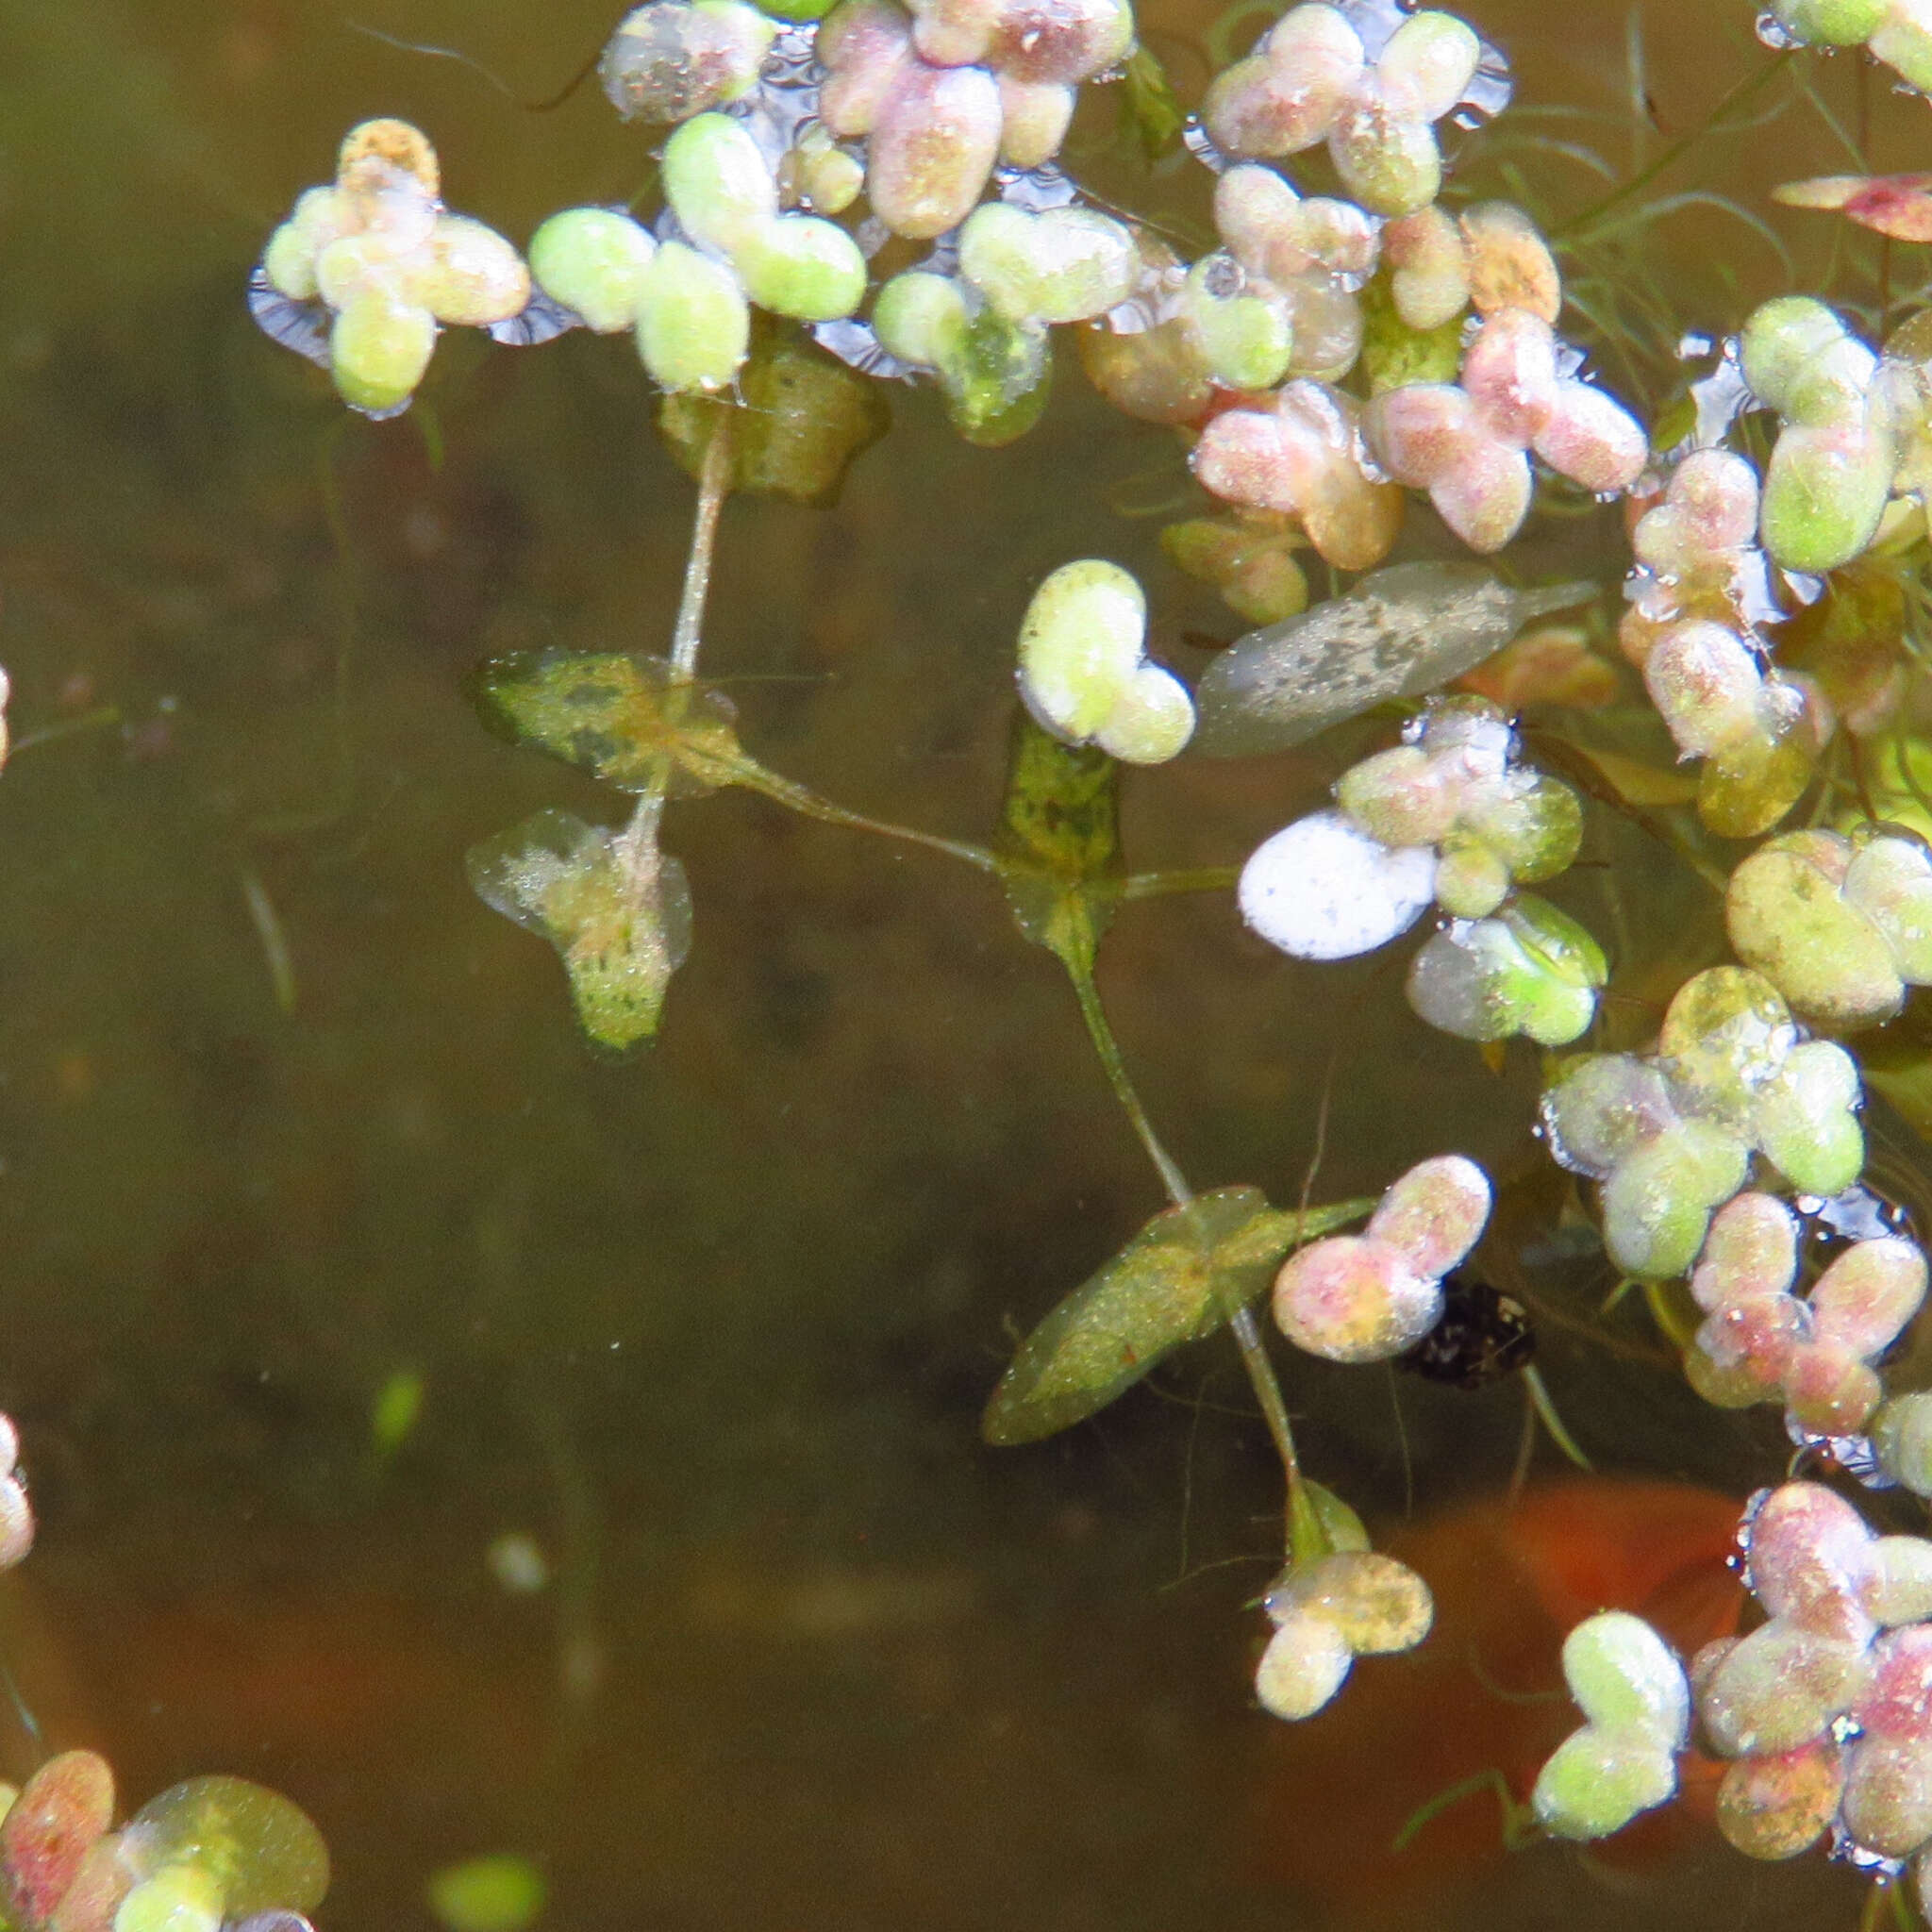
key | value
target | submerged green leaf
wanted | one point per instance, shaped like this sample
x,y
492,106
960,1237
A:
x,y
1179,1279
625,719
499,1893
615,907
1057,847
1150,104
799,421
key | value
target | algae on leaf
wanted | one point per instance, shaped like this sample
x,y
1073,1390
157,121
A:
x,y
801,419
616,908
1058,846
1177,1281
625,719
1397,633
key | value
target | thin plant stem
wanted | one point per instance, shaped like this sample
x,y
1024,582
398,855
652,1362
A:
x,y
347,603
798,798
1545,1412
103,719
1157,884
1304,1527
636,844
714,485
1107,1048
1750,85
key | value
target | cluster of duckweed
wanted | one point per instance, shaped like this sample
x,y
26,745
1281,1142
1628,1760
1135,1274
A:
x,y
1636,1702
1670,1135
1371,1296
1699,589
1840,925
1469,442
1351,1602
209,1854
1084,672
1895,31
1314,79
388,264
1814,1352
879,195
1450,816
1822,1709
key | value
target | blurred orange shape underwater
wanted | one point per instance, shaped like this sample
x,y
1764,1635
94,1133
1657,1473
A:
x,y
1485,1693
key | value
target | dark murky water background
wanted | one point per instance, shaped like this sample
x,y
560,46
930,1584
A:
x,y
713,1327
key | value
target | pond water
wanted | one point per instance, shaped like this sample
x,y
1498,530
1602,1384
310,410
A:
x,y
288,1118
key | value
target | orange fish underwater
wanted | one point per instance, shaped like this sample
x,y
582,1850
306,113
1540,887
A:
x,y
1485,1693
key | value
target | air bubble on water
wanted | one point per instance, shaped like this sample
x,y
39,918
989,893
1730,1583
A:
x,y
1490,91
1036,190
786,100
1722,396
299,325
1224,278
943,258
1374,22
517,1561
1846,1849
1757,599
1806,588
859,348
1200,143
1853,1455
1775,33
541,319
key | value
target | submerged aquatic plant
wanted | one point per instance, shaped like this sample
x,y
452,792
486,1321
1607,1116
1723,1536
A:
x,y
1322,361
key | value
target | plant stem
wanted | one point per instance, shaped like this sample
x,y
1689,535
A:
x,y
1241,1319
347,593
1158,885
1752,83
636,844
714,485
798,798
1107,1048
102,719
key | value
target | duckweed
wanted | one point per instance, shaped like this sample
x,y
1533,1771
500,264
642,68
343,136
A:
x,y
1319,359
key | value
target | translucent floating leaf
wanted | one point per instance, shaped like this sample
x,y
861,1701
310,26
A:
x,y
1177,1281
1059,841
1149,103
261,1849
625,719
1398,633
617,909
